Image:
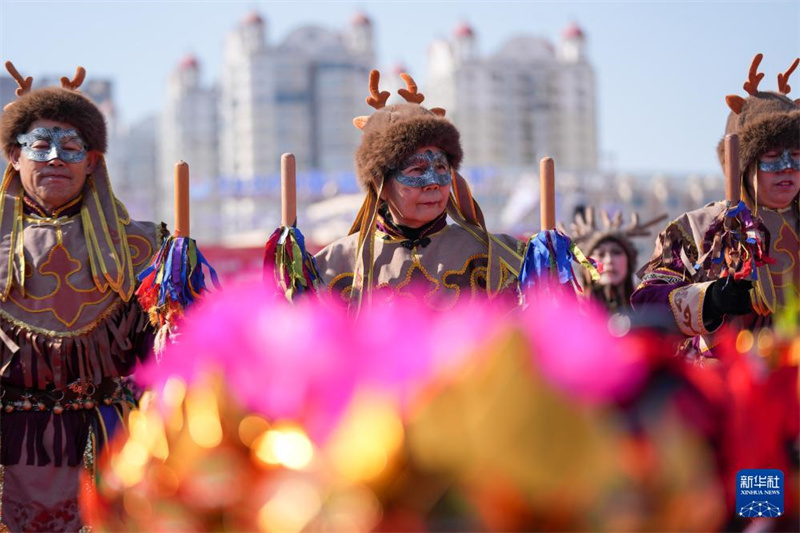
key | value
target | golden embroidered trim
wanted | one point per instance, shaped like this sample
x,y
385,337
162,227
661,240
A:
x,y
690,321
416,266
102,317
348,290
516,254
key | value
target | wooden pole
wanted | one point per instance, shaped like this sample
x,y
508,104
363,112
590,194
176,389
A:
x,y
548,193
733,177
288,190
181,199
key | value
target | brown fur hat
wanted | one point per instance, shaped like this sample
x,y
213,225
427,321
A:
x,y
767,121
394,132
53,103
763,120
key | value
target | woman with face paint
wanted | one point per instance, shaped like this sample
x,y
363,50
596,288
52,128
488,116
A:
x,y
768,126
419,231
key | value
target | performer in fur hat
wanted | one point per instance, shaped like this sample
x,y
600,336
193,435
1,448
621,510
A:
x,y
70,327
419,225
681,273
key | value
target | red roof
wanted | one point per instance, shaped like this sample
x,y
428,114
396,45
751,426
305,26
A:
x,y
572,31
190,61
253,18
399,68
361,19
464,30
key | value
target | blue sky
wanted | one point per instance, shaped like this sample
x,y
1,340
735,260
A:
x,y
663,68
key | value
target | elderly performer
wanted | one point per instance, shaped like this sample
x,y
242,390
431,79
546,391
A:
x,y
419,226
678,276
70,328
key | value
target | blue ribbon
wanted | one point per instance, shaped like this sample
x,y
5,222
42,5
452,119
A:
x,y
547,251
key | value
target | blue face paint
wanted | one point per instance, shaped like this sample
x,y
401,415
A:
x,y
45,144
781,163
421,170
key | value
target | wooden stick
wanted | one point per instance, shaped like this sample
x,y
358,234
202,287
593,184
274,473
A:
x,y
733,184
548,193
733,178
181,199
288,191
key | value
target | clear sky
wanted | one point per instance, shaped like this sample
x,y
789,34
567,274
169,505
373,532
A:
x,y
663,67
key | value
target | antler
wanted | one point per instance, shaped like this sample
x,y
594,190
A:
x,y
753,77
783,79
25,84
376,99
635,229
582,227
80,74
410,93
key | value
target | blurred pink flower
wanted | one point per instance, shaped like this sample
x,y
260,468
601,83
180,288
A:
x,y
576,351
304,361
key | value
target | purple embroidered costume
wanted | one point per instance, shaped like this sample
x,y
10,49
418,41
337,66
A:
x,y
682,272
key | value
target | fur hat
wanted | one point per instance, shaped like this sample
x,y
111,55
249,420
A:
x,y
763,120
61,104
394,132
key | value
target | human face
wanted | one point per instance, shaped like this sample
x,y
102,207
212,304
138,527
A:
x,y
54,182
615,263
416,206
777,188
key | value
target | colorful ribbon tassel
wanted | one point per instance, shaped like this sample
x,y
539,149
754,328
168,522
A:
x,y
286,258
548,255
735,233
174,280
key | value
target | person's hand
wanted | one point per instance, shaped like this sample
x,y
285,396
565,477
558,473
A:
x,y
727,296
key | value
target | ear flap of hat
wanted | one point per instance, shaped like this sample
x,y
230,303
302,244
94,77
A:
x,y
462,200
764,120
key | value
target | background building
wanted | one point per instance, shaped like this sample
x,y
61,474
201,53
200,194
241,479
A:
x,y
188,131
298,96
526,101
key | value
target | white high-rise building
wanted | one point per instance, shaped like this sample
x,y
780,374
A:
x,y
526,101
8,87
298,96
135,173
188,132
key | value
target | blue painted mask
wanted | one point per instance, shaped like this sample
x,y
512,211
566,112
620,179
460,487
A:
x,y
781,163
421,170
53,143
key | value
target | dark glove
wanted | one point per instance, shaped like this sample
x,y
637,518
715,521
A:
x,y
727,296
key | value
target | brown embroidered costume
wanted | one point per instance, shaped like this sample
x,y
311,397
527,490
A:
x,y
419,229
70,328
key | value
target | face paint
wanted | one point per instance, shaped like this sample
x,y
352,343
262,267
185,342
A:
x,y
53,143
781,163
421,170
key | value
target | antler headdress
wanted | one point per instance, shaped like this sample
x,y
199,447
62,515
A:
x,y
764,120
377,99
62,104
736,103
584,228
